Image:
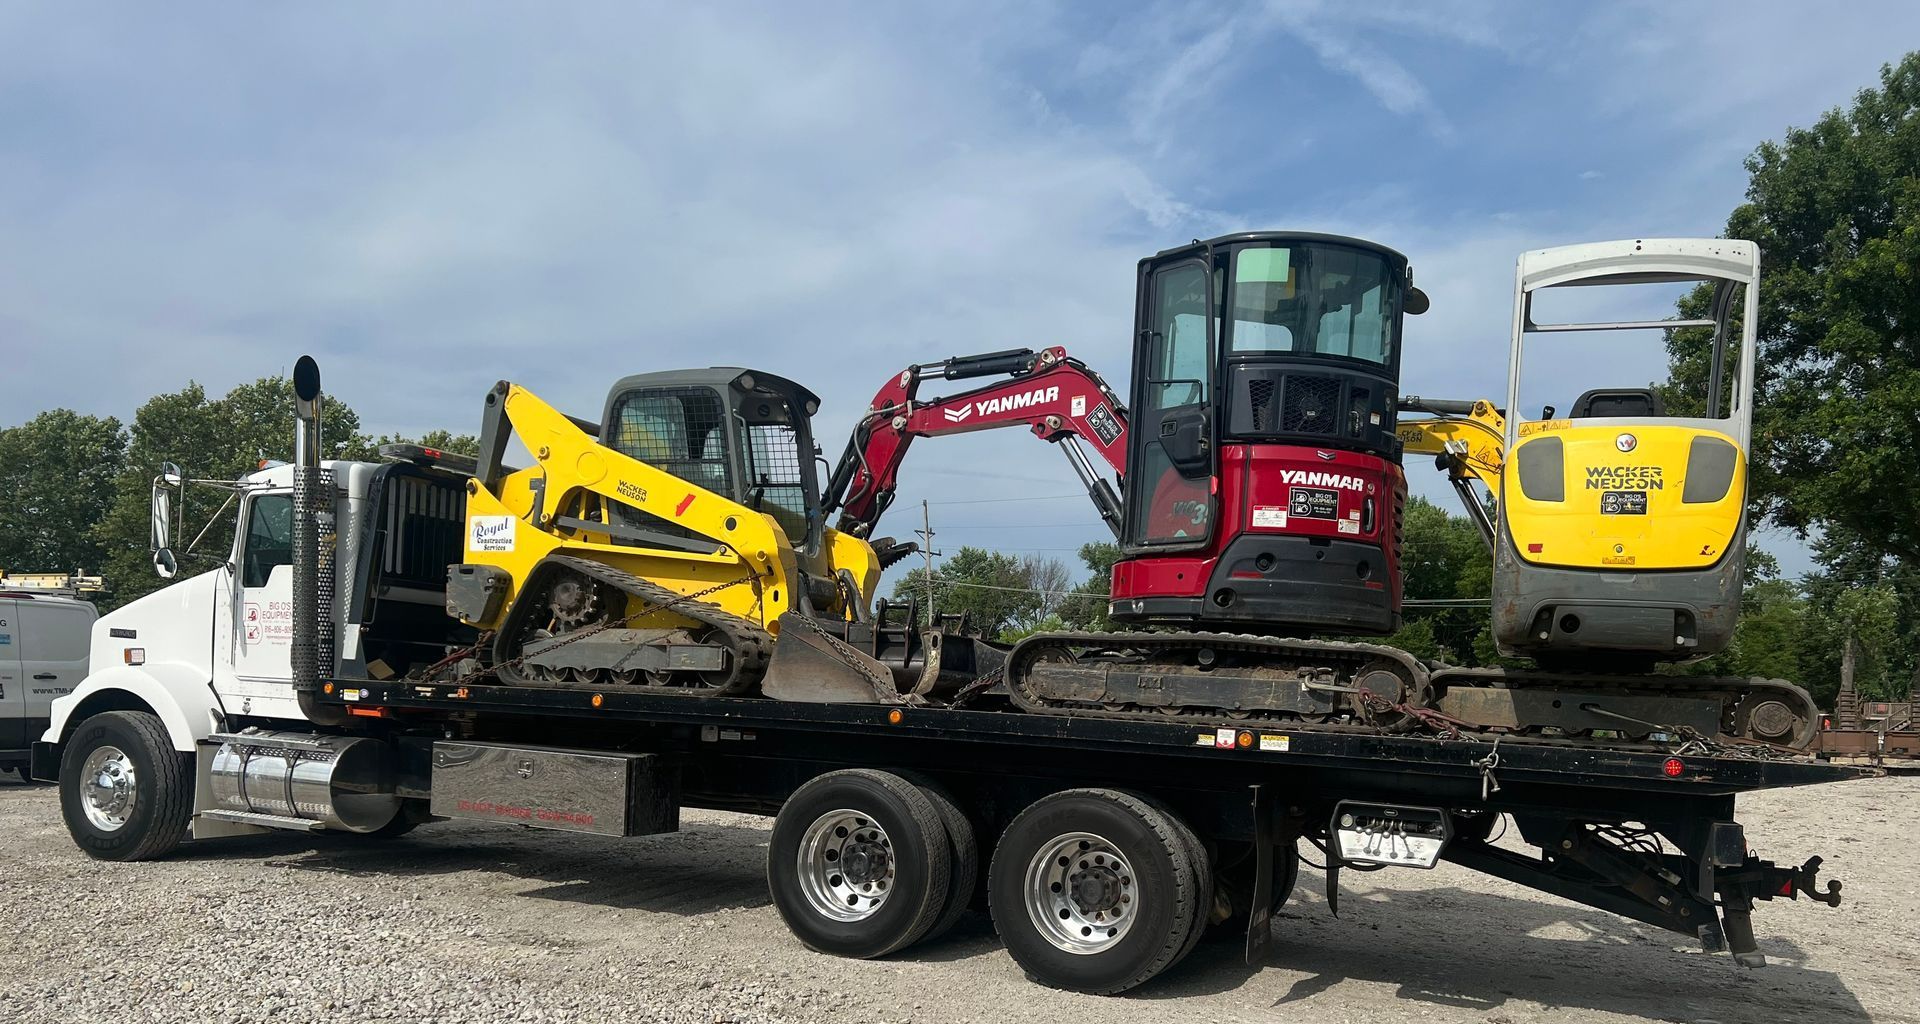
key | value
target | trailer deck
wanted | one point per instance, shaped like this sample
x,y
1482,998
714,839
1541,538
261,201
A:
x,y
1232,749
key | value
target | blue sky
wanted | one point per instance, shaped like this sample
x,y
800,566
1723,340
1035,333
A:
x,y
430,197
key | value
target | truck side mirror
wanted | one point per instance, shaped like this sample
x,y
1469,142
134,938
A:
x,y
162,533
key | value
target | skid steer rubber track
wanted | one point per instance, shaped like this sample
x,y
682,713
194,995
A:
x,y
749,646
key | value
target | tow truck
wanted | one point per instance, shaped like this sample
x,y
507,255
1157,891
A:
x,y
265,694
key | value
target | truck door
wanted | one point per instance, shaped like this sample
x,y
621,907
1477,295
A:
x,y
13,693
253,612
51,640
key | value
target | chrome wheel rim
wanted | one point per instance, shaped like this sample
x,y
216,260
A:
x,y
109,788
846,865
1082,894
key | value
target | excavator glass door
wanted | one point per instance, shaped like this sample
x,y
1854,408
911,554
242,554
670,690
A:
x,y
1171,472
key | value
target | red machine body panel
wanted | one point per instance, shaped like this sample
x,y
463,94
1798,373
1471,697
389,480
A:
x,y
1281,507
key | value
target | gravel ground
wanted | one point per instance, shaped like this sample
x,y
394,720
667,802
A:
x,y
487,923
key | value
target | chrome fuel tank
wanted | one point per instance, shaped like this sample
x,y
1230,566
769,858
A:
x,y
340,782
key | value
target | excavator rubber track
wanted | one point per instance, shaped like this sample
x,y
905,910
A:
x,y
1205,676
1324,684
1723,708
748,646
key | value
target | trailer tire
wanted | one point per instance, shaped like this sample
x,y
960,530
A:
x,y
125,793
963,851
1140,866
1205,876
893,845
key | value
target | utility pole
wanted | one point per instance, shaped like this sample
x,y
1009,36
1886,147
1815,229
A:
x,y
927,552
1846,707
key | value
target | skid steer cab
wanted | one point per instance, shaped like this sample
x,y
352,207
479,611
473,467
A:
x,y
679,544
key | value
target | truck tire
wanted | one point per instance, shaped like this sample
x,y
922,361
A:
x,y
1087,861
963,850
125,793
858,864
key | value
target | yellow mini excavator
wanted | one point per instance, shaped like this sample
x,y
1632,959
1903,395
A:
x,y
1618,530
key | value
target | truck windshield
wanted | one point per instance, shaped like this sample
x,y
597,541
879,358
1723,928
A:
x,y
1312,299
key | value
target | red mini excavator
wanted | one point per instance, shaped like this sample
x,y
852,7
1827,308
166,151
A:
x,y
1260,481
1265,491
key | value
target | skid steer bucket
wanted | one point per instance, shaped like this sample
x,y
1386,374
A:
x,y
811,665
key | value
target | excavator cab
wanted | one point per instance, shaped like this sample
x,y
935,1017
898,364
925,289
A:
x,y
1264,489
1621,529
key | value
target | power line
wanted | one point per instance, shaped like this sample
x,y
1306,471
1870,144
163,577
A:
x,y
994,501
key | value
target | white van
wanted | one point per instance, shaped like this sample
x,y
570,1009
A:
x,y
43,655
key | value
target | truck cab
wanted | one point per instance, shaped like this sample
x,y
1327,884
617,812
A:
x,y
212,653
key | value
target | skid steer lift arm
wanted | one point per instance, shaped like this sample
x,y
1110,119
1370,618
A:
x,y
1056,396
1467,441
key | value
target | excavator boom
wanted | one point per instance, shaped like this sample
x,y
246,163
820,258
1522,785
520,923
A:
x,y
1054,395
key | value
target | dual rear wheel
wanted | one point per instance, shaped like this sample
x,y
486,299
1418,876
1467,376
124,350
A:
x,y
1092,890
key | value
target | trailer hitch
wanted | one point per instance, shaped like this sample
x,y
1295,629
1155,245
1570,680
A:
x,y
1765,880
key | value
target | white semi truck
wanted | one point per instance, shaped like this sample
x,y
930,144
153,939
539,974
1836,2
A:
x,y
311,683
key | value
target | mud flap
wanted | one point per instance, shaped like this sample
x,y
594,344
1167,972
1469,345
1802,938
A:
x,y
812,666
1260,913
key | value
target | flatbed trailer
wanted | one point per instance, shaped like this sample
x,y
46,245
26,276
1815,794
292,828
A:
x,y
1257,787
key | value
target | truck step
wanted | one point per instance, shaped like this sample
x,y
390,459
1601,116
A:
x,y
264,820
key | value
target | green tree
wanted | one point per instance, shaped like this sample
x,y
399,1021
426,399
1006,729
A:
x,y
444,440
995,591
56,482
210,439
1835,209
1443,557
1085,607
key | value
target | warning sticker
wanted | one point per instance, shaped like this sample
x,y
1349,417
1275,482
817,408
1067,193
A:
x,y
1205,739
1276,744
1623,503
1313,503
1105,427
490,533
1223,738
1079,405
1271,516
1348,526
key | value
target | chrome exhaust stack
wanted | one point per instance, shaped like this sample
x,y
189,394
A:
x,y
309,499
